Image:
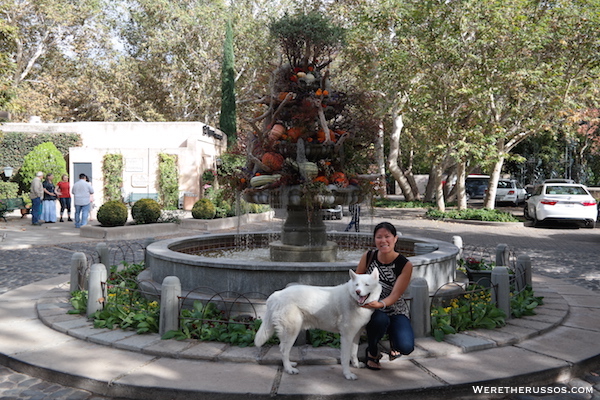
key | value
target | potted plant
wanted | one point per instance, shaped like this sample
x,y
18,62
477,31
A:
x,y
478,270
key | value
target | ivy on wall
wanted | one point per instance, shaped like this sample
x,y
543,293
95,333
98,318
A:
x,y
16,145
168,181
112,170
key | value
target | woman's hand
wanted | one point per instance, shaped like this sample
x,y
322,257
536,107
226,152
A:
x,y
374,305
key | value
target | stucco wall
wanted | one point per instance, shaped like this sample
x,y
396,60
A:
x,y
197,149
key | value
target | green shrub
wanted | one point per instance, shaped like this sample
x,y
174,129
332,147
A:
x,y
112,213
145,211
204,209
44,157
473,214
9,190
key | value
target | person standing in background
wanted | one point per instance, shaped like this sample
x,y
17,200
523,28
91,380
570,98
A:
x,y
50,196
82,190
36,193
64,196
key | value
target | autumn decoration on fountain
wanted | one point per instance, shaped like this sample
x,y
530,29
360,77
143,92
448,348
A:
x,y
295,154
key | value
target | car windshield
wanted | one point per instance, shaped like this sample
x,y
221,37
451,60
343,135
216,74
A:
x,y
504,184
565,190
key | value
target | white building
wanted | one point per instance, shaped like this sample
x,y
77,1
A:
x,y
196,145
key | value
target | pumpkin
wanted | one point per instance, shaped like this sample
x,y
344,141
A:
x,y
294,133
339,179
272,160
321,178
321,136
276,131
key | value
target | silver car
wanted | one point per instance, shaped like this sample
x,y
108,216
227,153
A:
x,y
510,191
561,202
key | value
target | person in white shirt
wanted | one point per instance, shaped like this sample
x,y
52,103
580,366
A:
x,y
82,190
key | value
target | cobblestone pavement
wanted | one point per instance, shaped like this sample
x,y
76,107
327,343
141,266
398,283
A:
x,y
559,252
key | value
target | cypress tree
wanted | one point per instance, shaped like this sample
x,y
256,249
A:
x,y
227,120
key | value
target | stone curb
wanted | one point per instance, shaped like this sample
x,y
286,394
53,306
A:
x,y
52,308
156,369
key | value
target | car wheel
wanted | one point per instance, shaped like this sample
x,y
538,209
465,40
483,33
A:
x,y
535,220
526,212
590,224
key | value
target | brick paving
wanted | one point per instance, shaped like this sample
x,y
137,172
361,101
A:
x,y
558,252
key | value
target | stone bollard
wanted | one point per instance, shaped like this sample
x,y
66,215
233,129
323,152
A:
x,y
501,289
78,264
502,255
458,242
102,250
97,288
524,268
169,304
420,314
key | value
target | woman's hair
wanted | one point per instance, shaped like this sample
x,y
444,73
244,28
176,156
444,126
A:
x,y
385,225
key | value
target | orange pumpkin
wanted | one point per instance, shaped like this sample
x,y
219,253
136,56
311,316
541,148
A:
x,y
321,136
321,178
340,179
273,160
294,133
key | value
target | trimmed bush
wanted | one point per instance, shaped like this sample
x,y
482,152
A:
x,y
204,209
112,213
145,211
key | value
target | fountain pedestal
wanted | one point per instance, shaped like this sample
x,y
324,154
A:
x,y
303,238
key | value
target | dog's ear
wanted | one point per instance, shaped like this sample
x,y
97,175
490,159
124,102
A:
x,y
353,274
375,274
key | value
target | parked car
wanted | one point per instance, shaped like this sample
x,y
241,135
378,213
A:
x,y
476,185
333,213
561,202
510,191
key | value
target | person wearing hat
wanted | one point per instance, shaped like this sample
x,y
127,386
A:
x,y
36,193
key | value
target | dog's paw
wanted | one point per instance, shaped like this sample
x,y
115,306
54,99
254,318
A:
x,y
292,371
293,363
350,376
360,365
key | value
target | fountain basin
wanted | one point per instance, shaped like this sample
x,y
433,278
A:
x,y
182,257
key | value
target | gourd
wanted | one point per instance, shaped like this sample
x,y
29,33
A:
x,y
262,180
308,170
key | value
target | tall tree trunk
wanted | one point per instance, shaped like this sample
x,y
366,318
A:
x,y
393,159
438,188
490,197
380,155
461,193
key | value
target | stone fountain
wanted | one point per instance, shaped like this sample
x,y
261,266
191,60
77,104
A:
x,y
297,156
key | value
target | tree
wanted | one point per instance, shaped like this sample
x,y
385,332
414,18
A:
x,y
44,157
227,119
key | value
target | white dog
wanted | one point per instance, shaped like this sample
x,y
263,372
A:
x,y
331,308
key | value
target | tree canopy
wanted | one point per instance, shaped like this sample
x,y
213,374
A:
x,y
461,83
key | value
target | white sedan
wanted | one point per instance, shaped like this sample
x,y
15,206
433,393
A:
x,y
510,191
561,202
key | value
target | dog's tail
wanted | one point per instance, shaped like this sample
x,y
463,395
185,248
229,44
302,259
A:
x,y
266,329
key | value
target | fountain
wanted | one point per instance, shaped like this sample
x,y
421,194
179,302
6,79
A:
x,y
297,157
